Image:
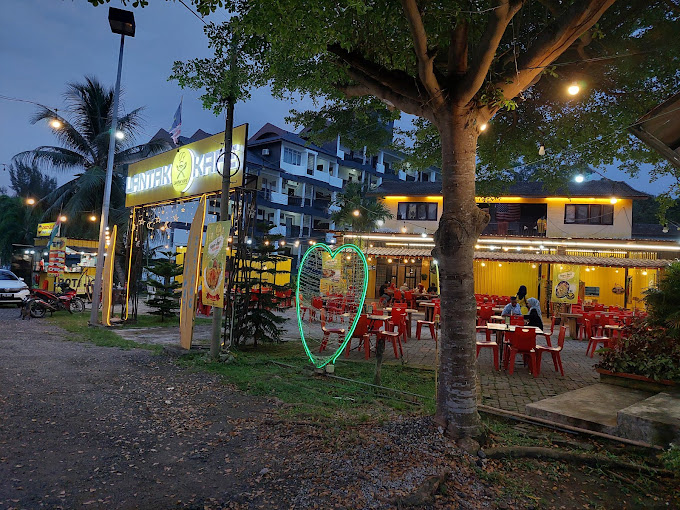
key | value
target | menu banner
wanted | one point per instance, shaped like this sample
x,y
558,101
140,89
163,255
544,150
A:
x,y
214,260
565,283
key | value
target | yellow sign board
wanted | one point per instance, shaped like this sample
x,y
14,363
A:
x,y
107,278
214,259
45,229
565,283
191,170
187,311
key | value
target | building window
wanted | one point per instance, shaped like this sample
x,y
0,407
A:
x,y
589,214
421,211
292,157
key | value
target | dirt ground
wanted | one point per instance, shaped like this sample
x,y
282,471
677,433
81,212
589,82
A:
x,y
91,427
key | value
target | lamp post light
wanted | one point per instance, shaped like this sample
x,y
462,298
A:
x,y
122,22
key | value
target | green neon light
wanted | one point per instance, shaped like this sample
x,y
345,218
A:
x,y
350,330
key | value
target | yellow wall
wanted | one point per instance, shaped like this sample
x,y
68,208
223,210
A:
x,y
621,229
504,278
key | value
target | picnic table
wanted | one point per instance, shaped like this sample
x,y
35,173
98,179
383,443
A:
x,y
429,309
570,319
501,329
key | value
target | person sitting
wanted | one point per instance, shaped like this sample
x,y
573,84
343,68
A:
x,y
385,296
512,308
535,318
404,287
432,289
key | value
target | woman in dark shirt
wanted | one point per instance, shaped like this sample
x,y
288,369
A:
x,y
535,318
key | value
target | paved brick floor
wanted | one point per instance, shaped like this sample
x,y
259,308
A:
x,y
510,392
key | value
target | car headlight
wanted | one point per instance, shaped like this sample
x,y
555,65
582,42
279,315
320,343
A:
x,y
25,287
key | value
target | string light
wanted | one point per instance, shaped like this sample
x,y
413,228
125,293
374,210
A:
x,y
356,212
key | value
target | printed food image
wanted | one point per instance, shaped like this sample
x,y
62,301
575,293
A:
x,y
212,276
562,289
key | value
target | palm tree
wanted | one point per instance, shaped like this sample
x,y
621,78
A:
x,y
358,211
84,144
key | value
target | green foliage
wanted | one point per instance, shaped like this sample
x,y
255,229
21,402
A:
x,y
166,297
18,225
353,198
28,181
671,458
256,303
225,77
83,149
647,351
663,302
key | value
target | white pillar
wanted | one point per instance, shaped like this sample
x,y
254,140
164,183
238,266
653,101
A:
x,y
279,184
304,190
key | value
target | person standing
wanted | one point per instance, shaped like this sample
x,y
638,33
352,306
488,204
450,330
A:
x,y
522,299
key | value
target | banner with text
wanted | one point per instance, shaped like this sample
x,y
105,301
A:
x,y
57,259
214,260
565,283
107,278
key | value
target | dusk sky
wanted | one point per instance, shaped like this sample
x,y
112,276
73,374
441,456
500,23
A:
x,y
68,39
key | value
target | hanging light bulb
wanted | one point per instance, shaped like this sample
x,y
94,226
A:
x,y
573,89
483,264
664,230
483,127
356,212
541,150
403,229
579,178
380,223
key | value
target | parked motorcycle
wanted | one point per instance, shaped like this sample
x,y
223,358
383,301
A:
x,y
43,301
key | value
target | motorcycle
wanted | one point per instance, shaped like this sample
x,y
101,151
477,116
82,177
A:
x,y
43,301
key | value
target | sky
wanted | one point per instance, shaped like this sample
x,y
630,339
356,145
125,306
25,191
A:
x,y
46,44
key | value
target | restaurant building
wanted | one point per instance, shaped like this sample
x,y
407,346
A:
x,y
532,235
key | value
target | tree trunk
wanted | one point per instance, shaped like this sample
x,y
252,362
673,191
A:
x,y
459,227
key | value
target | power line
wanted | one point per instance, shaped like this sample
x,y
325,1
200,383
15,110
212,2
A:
x,y
193,12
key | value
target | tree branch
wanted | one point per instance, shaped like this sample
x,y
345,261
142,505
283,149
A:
x,y
424,58
549,45
458,50
399,81
486,50
367,85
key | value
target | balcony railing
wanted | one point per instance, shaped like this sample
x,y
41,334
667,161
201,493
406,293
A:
x,y
525,228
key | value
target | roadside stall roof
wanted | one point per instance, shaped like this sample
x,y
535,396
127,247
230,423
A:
x,y
595,188
502,256
659,128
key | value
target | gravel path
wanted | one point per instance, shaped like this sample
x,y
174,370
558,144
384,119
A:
x,y
90,427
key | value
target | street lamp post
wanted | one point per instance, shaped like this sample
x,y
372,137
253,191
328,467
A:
x,y
122,22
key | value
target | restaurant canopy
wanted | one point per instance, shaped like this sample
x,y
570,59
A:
x,y
398,252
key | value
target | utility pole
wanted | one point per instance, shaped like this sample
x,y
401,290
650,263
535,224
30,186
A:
x,y
224,216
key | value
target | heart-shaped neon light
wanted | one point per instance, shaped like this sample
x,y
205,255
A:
x,y
312,276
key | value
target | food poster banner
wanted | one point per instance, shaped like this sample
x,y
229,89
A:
x,y
107,278
187,310
332,280
57,258
214,260
565,283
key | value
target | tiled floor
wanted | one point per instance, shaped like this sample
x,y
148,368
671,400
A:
x,y
510,392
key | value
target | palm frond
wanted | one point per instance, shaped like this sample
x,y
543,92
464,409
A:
x,y
54,158
68,135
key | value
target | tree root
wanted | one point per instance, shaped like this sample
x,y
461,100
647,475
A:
x,y
542,453
423,495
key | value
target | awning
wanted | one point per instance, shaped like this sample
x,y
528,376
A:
x,y
528,257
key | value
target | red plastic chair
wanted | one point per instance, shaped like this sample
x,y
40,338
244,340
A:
x,y
522,341
430,324
327,332
484,314
398,298
398,320
555,351
594,339
361,333
491,344
410,300
552,330
517,320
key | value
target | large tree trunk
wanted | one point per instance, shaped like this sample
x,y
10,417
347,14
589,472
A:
x,y
459,227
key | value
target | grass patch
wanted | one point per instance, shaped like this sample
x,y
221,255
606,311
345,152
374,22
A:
x,y
317,396
103,337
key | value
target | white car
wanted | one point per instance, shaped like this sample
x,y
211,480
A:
x,y
13,289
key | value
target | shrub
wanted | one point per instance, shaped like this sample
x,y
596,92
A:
x,y
663,302
649,351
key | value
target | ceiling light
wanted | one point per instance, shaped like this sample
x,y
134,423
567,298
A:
x,y
613,200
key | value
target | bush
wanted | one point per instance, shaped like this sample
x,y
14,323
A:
x,y
649,351
663,302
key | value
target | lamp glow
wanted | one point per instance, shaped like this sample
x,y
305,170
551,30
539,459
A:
x,y
613,200
62,218
483,127
579,178
573,89
56,123
30,201
120,135
93,218
356,212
